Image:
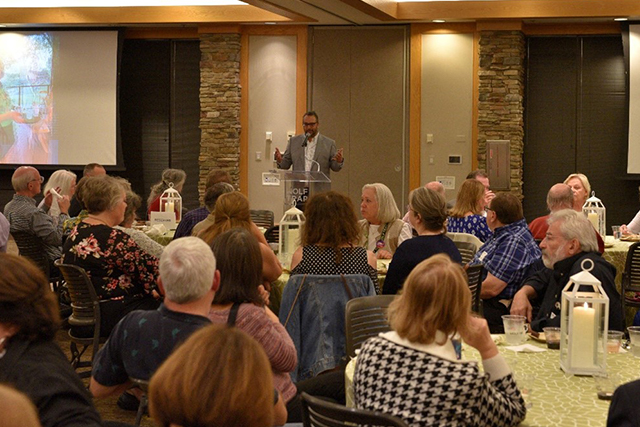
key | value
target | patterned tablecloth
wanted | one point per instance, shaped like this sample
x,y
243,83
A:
x,y
617,255
558,399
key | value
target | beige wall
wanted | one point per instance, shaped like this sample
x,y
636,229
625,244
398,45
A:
x,y
447,105
272,108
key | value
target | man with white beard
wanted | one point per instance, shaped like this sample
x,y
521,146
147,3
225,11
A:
x,y
569,241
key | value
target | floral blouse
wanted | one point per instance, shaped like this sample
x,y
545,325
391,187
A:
x,y
117,266
472,224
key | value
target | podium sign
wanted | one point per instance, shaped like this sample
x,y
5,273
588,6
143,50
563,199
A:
x,y
300,185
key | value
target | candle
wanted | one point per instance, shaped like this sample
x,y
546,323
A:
x,y
169,207
593,217
293,240
582,340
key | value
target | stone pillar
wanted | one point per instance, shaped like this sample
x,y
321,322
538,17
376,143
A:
x,y
501,93
219,105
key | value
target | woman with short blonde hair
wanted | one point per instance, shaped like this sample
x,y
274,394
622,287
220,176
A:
x,y
434,306
581,188
220,376
383,230
62,182
467,214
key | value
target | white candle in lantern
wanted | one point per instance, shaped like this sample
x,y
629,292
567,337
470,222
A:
x,y
293,240
169,207
582,339
593,218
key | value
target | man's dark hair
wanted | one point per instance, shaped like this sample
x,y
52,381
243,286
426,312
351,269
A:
x,y
89,167
507,207
311,113
477,173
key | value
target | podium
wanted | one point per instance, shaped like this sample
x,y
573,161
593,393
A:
x,y
300,185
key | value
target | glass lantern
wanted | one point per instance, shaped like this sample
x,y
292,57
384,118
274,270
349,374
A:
x,y
596,213
584,324
290,229
171,201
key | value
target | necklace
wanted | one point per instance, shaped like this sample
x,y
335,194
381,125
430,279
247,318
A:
x,y
98,219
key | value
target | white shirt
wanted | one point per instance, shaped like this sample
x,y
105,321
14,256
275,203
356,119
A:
x,y
375,234
310,152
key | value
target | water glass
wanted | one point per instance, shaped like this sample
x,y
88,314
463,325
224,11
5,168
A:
x,y
614,340
634,335
552,335
606,385
515,329
616,232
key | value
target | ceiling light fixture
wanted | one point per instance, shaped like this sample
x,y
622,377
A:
x,y
438,21
620,19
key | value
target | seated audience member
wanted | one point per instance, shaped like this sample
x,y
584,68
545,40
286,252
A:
x,y
30,359
70,223
193,217
231,211
64,183
219,377
170,178
242,301
633,227
25,217
188,280
560,196
329,237
428,214
4,233
92,169
435,305
210,199
145,242
624,410
382,229
122,273
509,256
431,185
581,188
16,409
483,178
467,214
569,241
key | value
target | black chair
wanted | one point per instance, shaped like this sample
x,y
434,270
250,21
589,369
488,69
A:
x,y
262,218
467,250
273,234
144,400
474,280
320,413
365,317
631,280
85,316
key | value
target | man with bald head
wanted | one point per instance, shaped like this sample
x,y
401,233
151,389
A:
x,y
24,215
560,196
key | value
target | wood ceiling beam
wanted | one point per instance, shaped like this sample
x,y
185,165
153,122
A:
x,y
517,9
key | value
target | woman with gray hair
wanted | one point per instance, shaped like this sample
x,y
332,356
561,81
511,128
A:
x,y
170,178
123,275
63,183
428,215
145,242
383,229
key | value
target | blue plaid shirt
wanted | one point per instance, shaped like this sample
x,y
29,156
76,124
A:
x,y
511,255
189,220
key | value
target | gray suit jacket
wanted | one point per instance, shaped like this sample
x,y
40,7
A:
x,y
325,151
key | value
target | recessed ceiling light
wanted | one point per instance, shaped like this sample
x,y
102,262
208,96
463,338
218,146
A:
x,y
269,23
438,21
620,19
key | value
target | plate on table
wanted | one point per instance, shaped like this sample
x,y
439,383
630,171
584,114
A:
x,y
608,245
631,238
539,338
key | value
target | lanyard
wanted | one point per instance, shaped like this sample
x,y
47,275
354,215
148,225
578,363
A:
x,y
380,243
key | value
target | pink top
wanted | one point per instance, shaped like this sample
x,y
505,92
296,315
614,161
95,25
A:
x,y
273,337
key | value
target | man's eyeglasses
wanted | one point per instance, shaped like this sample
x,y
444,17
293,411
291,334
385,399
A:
x,y
309,124
487,208
40,180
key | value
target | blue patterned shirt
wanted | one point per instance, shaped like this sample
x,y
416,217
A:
x,y
511,255
472,224
189,220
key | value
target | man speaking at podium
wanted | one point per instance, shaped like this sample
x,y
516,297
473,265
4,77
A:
x,y
311,152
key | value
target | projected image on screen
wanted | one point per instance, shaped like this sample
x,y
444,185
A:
x,y
58,97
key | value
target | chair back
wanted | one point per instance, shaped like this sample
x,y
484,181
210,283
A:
x,y
320,413
313,313
85,304
467,250
365,317
30,246
474,280
465,237
631,279
262,218
272,234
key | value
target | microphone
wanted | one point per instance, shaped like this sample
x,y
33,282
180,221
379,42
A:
x,y
306,137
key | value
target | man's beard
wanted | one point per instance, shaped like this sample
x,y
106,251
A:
x,y
550,260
